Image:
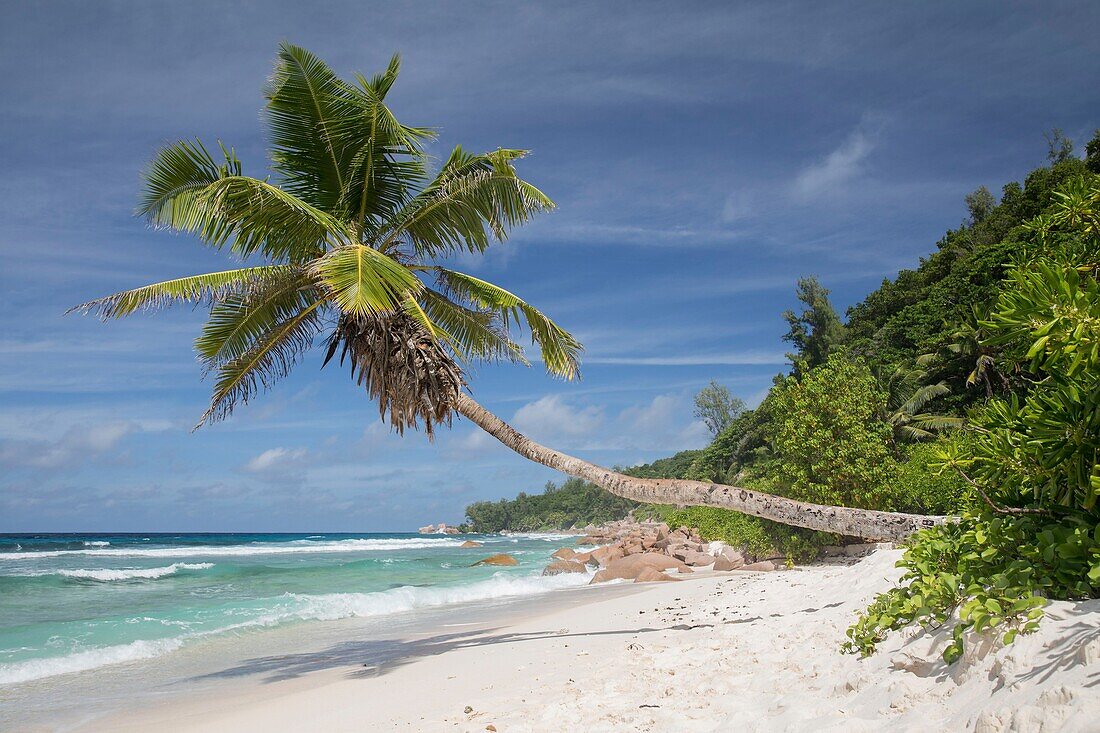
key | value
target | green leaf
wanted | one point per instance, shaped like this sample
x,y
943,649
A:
x,y
193,289
363,281
559,348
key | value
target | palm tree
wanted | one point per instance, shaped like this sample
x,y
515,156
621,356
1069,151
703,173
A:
x,y
906,397
347,243
968,350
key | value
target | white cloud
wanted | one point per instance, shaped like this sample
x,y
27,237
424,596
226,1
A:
x,y
838,167
77,445
276,460
663,424
551,417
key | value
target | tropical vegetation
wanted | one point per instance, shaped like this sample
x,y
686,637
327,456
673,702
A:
x,y
969,386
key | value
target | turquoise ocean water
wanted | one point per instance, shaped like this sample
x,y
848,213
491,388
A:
x,y
71,604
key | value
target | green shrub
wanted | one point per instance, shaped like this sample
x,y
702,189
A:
x,y
830,443
921,485
1034,458
757,537
995,572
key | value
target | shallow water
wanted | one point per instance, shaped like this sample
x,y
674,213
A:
x,y
77,611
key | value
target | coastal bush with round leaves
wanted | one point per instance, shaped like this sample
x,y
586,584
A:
x,y
992,573
832,446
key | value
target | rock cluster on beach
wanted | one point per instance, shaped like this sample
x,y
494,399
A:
x,y
646,551
441,528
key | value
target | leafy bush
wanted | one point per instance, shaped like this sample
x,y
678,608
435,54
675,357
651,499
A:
x,y
994,572
832,447
919,484
675,466
733,448
573,503
758,537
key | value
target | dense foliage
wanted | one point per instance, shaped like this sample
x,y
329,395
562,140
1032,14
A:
x,y
1033,455
828,429
758,538
573,503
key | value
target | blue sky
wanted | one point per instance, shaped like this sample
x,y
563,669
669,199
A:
x,y
703,157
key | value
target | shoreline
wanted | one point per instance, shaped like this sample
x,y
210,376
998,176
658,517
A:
x,y
756,651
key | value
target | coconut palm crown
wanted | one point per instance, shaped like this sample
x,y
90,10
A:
x,y
349,231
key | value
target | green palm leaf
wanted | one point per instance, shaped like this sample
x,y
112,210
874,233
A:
x,y
175,176
237,321
269,359
187,191
473,199
560,350
922,396
363,281
387,157
472,334
194,289
305,99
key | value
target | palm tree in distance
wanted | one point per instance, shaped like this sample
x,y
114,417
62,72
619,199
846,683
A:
x,y
349,238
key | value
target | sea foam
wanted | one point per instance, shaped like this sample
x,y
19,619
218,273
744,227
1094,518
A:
x,y
300,607
110,574
34,669
285,548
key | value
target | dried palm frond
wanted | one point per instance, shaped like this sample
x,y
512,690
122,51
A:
x,y
402,365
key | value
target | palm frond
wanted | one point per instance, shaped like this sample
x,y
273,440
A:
x,y
472,200
269,359
305,98
237,321
472,334
936,422
560,350
386,160
922,396
193,289
380,84
362,281
187,190
178,173
912,434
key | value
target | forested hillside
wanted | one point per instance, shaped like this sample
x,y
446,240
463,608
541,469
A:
x,y
573,503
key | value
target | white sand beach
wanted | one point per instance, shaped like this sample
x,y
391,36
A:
x,y
718,652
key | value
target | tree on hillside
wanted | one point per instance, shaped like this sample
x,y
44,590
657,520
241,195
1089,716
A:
x,y
350,232
980,203
1059,147
1092,153
717,408
815,331
907,396
833,445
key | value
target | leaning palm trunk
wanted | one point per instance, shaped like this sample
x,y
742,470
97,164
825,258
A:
x,y
863,523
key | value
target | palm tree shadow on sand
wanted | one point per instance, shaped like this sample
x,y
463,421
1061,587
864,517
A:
x,y
377,657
